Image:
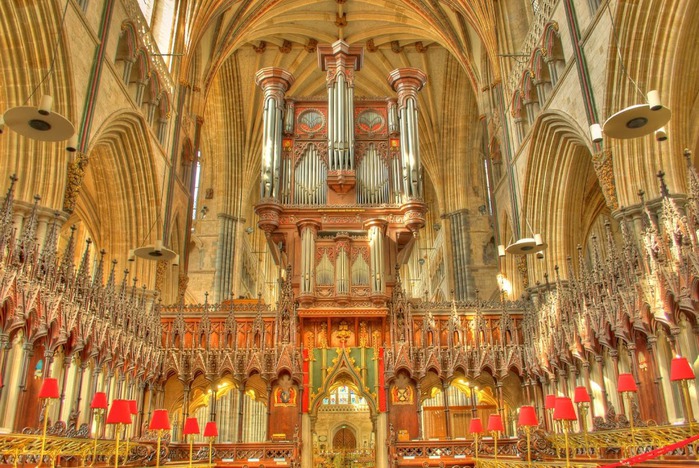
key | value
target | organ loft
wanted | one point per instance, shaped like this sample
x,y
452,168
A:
x,y
349,233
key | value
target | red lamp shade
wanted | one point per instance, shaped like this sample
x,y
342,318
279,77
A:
x,y
159,421
119,413
49,388
564,410
550,402
626,383
99,401
476,426
527,416
133,407
191,426
680,369
495,423
581,395
210,430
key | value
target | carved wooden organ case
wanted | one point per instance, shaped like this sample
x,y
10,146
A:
x,y
341,193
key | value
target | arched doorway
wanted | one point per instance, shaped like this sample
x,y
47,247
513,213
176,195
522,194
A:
x,y
343,428
344,440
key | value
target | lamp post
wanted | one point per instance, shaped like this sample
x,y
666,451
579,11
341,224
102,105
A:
x,y
527,420
99,406
495,426
681,371
48,392
191,427
475,427
565,413
210,432
159,422
627,385
119,414
582,399
133,410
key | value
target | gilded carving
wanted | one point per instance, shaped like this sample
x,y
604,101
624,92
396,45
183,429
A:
x,y
604,168
76,172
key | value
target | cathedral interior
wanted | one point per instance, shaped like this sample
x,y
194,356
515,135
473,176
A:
x,y
349,233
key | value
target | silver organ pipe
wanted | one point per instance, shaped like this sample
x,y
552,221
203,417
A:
x,y
376,248
310,176
372,178
274,83
308,248
340,121
407,82
266,176
331,129
342,272
289,117
277,156
350,126
392,117
397,180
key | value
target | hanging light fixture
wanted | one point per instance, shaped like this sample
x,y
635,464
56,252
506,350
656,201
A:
x,y
40,123
525,246
155,251
639,120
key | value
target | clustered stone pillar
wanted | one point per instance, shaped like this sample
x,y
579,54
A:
x,y
460,237
274,83
407,82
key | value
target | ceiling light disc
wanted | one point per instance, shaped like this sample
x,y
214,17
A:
x,y
29,122
525,246
636,121
150,253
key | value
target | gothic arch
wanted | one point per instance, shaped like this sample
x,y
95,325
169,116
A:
x,y
120,197
343,370
561,195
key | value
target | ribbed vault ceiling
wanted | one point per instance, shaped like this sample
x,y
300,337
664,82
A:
x,y
228,41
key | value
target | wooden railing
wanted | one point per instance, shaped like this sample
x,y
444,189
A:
x,y
278,454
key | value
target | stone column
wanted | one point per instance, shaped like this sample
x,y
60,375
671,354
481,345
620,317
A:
x,y
380,444
447,421
307,437
460,246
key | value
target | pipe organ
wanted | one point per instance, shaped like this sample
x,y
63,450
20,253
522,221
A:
x,y
341,183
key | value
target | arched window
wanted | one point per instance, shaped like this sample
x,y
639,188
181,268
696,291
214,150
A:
x,y
344,395
195,191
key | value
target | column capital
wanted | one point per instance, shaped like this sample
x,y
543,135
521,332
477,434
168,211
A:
x,y
406,82
380,223
274,79
340,57
308,223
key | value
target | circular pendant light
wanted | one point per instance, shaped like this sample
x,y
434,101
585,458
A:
x,y
636,121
